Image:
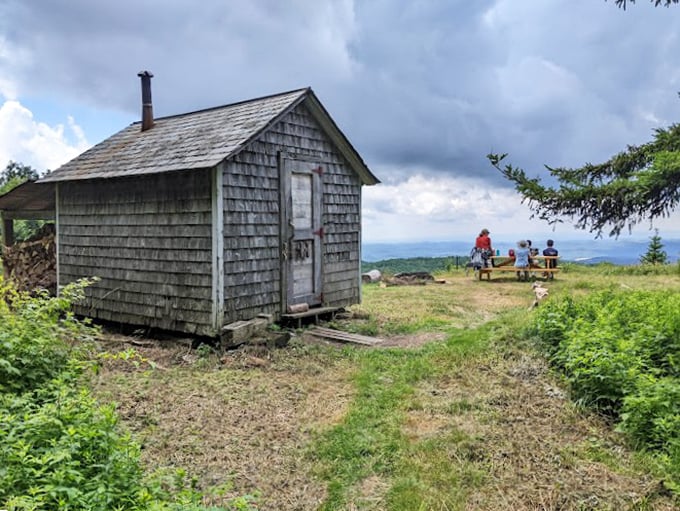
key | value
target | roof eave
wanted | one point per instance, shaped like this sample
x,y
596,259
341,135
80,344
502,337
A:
x,y
339,139
145,172
330,128
29,200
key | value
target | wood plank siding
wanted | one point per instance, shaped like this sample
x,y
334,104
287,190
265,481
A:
x,y
149,239
252,241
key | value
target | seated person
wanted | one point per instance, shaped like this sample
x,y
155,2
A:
x,y
550,263
522,260
483,243
532,252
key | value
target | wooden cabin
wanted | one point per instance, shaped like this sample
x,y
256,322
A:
x,y
199,220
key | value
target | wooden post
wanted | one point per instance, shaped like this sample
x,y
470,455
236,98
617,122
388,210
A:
x,y
7,238
57,234
7,232
217,199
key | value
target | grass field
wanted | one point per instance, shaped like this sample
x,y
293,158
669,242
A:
x,y
454,411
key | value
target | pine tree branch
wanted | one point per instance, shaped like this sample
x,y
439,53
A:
x,y
657,3
641,183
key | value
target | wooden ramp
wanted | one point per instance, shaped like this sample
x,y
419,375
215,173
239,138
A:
x,y
337,335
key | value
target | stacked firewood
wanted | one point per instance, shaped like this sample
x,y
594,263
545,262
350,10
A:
x,y
32,264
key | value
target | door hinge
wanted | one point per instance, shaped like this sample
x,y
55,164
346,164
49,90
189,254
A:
x,y
319,232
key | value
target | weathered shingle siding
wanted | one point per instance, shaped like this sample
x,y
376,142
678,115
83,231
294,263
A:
x,y
149,239
341,218
251,235
342,240
251,217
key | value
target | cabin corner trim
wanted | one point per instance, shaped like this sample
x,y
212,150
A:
x,y
217,192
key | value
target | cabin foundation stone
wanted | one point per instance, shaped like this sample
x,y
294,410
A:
x,y
240,332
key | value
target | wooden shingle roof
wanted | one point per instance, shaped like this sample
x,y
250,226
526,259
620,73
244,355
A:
x,y
197,140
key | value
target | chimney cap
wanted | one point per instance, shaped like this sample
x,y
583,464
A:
x,y
145,73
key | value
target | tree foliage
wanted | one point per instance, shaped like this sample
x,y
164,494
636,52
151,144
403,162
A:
x,y
640,183
414,264
657,3
14,174
655,253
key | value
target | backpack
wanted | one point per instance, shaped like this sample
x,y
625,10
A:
x,y
477,259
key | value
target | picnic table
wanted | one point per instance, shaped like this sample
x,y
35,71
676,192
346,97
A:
x,y
547,265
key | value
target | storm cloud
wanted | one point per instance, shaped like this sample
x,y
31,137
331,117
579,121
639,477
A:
x,y
421,88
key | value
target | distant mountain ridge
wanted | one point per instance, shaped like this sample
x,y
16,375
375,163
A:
x,y
620,252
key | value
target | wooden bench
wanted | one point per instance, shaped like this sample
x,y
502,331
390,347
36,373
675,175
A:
x,y
532,269
507,263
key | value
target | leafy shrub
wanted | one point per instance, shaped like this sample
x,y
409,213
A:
x,y
636,269
606,341
60,449
65,452
601,367
558,318
620,353
553,323
39,338
651,415
651,419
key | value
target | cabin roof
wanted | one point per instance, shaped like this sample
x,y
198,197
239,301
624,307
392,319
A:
x,y
201,139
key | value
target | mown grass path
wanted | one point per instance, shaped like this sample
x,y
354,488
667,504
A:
x,y
457,412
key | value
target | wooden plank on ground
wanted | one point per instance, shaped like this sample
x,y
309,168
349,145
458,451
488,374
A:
x,y
337,335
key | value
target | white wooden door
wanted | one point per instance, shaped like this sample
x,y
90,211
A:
x,y
303,243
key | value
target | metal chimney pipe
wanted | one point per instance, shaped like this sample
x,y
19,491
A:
x,y
147,107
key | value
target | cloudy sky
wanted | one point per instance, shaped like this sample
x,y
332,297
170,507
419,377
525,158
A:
x,y
424,89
